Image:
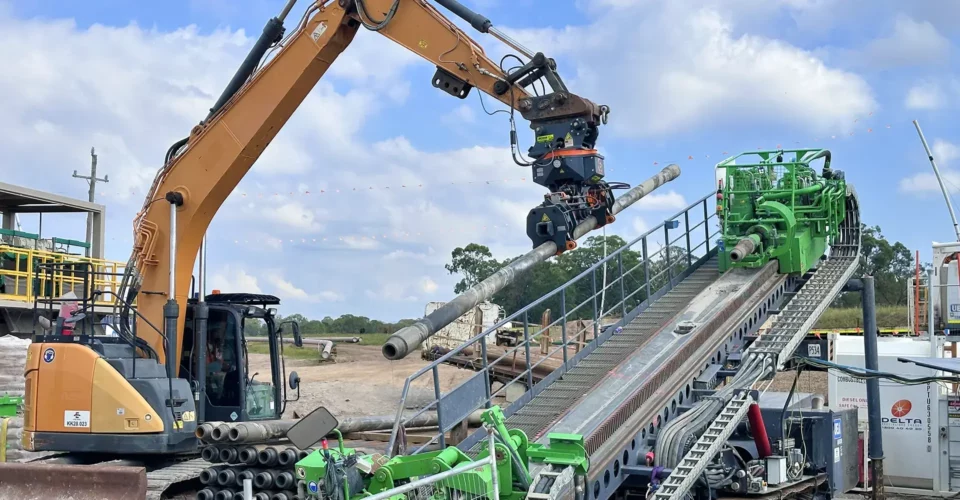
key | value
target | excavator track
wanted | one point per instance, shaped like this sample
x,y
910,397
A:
x,y
160,480
165,478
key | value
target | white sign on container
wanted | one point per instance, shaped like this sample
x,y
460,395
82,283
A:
x,y
906,410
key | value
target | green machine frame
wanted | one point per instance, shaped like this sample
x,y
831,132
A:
x,y
773,205
514,454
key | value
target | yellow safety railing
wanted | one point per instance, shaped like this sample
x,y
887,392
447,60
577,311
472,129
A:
x,y
19,279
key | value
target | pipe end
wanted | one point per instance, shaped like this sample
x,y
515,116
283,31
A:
x,y
236,434
394,348
219,433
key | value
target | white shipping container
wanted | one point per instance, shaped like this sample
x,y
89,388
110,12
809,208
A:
x,y
906,410
471,324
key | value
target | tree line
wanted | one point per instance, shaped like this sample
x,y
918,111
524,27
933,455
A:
x,y
475,263
891,264
346,324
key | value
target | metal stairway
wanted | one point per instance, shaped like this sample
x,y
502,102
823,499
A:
x,y
709,444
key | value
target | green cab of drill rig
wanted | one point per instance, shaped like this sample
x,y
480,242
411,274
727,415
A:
x,y
773,205
340,473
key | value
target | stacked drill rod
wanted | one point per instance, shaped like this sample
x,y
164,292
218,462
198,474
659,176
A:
x,y
262,455
260,451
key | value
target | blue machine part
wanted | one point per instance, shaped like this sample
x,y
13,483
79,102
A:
x,y
829,438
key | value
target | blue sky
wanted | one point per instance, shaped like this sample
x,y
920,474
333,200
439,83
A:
x,y
684,78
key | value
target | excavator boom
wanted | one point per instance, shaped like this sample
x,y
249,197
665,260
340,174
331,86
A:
x,y
221,150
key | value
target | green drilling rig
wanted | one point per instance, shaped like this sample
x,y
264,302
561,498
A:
x,y
773,205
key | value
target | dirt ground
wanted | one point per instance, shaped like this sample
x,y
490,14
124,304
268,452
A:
x,y
810,382
361,382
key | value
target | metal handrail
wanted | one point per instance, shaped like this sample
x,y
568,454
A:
x,y
693,226
106,274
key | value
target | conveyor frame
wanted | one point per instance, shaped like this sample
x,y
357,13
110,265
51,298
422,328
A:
x,y
632,287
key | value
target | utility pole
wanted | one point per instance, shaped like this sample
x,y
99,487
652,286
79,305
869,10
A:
x,y
92,180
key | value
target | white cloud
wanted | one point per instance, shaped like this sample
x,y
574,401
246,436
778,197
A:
x,y
460,115
234,280
289,291
671,200
361,242
926,96
293,214
945,152
702,71
912,43
400,254
640,225
925,182
394,292
428,285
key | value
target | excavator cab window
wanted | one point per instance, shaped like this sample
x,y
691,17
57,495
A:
x,y
259,401
223,369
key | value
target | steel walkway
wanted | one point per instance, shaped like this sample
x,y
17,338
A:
x,y
536,416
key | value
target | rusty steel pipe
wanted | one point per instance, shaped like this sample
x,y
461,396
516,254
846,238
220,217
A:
x,y
205,430
219,432
313,340
408,339
326,348
287,457
228,454
258,432
745,247
210,453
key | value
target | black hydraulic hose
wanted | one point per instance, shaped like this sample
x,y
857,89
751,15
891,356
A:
x,y
822,154
478,21
272,32
521,475
367,20
174,150
783,412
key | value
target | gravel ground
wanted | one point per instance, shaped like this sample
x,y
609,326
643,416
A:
x,y
810,382
361,382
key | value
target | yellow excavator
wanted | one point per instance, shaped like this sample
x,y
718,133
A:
x,y
144,391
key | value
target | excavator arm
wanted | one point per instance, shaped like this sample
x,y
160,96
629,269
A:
x,y
201,171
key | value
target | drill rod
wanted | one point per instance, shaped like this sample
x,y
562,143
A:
x,y
409,338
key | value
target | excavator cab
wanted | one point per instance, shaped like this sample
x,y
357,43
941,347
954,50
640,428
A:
x,y
233,390
96,391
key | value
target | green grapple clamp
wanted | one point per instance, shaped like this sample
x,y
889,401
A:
x,y
514,455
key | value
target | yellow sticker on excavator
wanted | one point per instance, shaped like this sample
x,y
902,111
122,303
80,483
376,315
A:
x,y
545,138
544,218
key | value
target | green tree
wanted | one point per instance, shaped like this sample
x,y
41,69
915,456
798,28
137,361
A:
x,y
475,263
890,264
